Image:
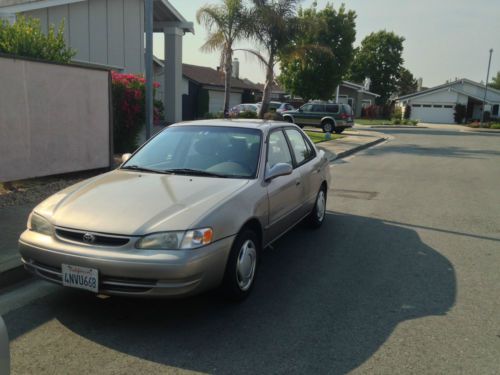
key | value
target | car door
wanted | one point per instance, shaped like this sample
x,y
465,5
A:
x,y
285,193
308,165
302,115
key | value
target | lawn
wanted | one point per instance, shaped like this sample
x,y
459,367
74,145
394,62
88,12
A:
x,y
361,121
318,137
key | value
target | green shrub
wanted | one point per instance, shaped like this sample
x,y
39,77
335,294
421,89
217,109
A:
x,y
495,126
247,114
275,116
212,115
414,122
396,121
397,113
25,38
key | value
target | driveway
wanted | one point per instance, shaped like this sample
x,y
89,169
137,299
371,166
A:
x,y
402,278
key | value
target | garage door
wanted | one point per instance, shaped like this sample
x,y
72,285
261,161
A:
x,y
436,113
216,103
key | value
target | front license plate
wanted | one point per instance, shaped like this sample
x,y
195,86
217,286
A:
x,y
80,277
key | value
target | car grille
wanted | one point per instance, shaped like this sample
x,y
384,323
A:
x,y
106,283
98,239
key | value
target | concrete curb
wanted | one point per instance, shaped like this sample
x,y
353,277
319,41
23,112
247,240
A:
x,y
397,127
13,276
489,131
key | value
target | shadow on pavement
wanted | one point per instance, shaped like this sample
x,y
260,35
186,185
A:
x,y
324,302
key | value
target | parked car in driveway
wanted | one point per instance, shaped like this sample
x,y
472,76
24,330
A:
x,y
329,116
190,210
278,107
244,107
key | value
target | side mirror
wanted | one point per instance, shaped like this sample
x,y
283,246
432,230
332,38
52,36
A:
x,y
280,169
125,157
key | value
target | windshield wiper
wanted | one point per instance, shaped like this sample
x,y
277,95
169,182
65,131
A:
x,y
194,172
141,169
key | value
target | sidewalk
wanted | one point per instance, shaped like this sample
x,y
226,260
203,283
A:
x,y
355,141
13,218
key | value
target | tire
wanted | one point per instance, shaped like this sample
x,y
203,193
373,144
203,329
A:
x,y
241,267
289,119
328,126
339,130
317,215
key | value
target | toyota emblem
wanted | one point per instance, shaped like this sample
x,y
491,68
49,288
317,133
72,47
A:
x,y
88,238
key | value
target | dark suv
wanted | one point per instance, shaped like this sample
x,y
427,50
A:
x,y
330,117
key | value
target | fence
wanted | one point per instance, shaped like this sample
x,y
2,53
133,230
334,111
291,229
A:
x,y
53,118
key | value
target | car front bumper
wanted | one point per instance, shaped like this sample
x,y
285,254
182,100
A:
x,y
127,270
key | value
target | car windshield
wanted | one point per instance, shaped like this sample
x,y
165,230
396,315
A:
x,y
201,150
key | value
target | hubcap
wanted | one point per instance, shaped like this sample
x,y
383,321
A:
x,y
328,127
245,265
320,206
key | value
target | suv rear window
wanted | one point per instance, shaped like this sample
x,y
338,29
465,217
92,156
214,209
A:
x,y
333,108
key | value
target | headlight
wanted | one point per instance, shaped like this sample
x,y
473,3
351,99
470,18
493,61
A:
x,y
39,224
176,240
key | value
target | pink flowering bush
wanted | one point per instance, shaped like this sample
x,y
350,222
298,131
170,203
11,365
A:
x,y
129,110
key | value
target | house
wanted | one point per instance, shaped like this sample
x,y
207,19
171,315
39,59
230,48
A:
x,y
278,93
437,104
111,33
203,89
357,96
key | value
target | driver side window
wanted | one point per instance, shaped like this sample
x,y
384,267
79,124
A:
x,y
278,151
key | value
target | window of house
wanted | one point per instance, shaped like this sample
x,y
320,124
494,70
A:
x,y
448,106
437,106
427,106
416,105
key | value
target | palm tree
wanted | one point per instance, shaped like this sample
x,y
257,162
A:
x,y
274,24
226,23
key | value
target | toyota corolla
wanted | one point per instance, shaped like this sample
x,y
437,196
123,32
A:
x,y
190,210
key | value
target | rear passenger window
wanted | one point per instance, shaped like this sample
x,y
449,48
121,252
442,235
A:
x,y
333,108
318,108
301,150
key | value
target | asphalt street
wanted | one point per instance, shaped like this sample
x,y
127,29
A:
x,y
404,277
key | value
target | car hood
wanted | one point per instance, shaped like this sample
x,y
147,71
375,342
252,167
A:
x,y
132,203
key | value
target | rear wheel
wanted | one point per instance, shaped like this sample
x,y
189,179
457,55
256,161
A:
x,y
339,130
317,215
328,126
241,266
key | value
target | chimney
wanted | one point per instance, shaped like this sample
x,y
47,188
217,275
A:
x,y
218,68
420,81
367,83
236,69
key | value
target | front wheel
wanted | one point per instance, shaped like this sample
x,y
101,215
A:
x,y
241,266
328,126
339,130
317,216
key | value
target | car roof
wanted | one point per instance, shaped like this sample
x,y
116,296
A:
x,y
264,125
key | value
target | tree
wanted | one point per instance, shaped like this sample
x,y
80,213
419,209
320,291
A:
x,y
226,23
327,37
274,24
407,83
25,38
495,81
380,58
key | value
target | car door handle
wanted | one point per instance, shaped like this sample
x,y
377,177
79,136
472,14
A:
x,y
297,183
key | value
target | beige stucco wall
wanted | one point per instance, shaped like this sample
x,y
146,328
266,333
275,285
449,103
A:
x,y
53,119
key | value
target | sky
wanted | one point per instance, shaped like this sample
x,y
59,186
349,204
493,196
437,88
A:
x,y
444,39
